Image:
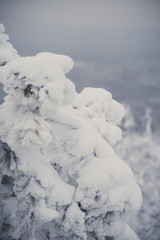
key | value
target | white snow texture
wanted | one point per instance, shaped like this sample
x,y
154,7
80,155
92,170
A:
x,y
7,52
68,181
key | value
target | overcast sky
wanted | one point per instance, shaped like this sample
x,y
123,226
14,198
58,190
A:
x,y
83,29
115,44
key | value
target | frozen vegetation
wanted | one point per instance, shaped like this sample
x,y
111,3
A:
x,y
141,151
60,177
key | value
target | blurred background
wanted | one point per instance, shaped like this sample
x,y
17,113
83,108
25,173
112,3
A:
x,y
115,45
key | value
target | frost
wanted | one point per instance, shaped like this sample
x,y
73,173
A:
x,y
145,162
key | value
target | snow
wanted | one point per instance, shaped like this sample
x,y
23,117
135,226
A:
x,y
46,214
68,175
30,130
2,28
101,111
145,162
75,219
7,52
35,189
49,84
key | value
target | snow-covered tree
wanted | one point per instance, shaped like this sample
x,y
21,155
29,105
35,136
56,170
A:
x,y
62,179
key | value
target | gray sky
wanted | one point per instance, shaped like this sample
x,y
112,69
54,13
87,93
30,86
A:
x,y
83,29
115,44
